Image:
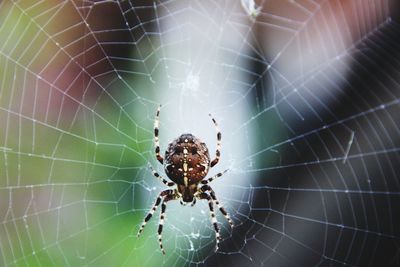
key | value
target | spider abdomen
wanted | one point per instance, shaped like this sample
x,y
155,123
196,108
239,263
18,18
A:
x,y
187,160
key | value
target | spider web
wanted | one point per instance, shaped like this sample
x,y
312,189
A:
x,y
306,95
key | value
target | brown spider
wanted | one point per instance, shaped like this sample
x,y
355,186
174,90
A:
x,y
186,163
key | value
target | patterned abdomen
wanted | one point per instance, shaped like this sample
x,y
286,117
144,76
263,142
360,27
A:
x,y
187,160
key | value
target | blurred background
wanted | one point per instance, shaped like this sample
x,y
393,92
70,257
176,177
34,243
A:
x,y
306,94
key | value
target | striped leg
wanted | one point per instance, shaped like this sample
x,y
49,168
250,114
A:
x,y
160,225
221,209
213,218
162,195
156,139
217,152
209,180
160,177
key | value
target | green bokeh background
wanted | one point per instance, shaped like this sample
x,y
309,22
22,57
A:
x,y
68,171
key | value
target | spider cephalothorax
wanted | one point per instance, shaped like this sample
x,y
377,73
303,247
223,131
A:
x,y
187,162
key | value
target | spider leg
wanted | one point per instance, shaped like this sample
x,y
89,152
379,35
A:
x,y
162,217
213,218
157,175
209,180
194,202
221,209
162,195
217,152
156,139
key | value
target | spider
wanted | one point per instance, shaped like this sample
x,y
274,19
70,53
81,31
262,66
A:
x,y
186,163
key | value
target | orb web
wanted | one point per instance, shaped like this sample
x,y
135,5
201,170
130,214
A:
x,y
306,94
